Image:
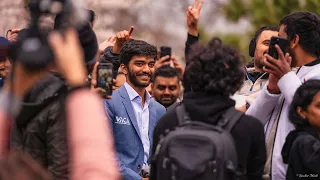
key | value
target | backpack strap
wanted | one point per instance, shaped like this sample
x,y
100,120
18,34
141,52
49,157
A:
x,y
230,118
182,114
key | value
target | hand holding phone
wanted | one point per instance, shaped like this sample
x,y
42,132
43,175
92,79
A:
x,y
105,78
165,51
277,66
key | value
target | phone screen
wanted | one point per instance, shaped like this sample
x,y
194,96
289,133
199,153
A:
x,y
105,77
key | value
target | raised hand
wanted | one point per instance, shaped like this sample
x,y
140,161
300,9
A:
x,y
178,67
162,62
13,36
94,87
193,15
110,42
278,67
121,38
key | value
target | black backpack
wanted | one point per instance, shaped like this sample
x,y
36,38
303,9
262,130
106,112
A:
x,y
197,150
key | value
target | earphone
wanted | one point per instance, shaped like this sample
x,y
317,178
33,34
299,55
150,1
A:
x,y
252,47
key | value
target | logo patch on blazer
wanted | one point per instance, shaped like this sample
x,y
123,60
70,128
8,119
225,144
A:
x,y
123,121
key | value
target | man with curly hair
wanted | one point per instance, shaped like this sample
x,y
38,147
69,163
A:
x,y
132,111
212,75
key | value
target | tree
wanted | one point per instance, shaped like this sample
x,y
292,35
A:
x,y
267,12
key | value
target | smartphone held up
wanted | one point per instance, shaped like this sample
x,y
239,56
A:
x,y
166,51
281,42
105,78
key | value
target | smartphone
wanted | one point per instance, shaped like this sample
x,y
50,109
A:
x,y
105,77
165,51
282,43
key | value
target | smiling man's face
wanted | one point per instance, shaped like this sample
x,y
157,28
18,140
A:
x,y
262,46
140,71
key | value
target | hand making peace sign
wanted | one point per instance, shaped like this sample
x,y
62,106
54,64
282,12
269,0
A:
x,y
193,14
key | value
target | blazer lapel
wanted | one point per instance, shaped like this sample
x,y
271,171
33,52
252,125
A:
x,y
127,104
152,120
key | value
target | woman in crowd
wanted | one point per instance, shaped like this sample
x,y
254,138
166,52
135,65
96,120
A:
x,y
301,150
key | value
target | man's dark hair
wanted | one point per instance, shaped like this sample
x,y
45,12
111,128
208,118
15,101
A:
x,y
136,48
253,42
307,26
166,71
303,98
216,69
264,28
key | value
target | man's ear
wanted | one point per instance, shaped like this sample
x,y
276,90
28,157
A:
x,y
301,112
295,41
151,84
124,69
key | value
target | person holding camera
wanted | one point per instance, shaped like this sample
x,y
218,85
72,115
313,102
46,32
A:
x,y
40,128
90,143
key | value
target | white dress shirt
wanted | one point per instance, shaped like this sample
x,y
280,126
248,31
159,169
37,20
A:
x,y
142,116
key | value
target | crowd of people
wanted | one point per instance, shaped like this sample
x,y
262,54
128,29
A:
x,y
163,120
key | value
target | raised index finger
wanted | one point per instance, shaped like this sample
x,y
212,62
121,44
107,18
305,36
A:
x,y
131,30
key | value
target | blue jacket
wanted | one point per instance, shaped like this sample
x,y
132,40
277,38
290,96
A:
x,y
126,133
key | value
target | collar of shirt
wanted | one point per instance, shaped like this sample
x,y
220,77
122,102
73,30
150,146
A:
x,y
134,96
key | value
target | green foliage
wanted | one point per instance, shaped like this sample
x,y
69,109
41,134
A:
x,y
236,41
261,13
267,12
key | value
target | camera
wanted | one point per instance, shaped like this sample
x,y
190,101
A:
x,y
32,48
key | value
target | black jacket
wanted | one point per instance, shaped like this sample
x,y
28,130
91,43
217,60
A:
x,y
40,128
248,133
301,152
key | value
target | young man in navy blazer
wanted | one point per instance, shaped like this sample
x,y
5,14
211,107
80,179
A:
x,y
132,111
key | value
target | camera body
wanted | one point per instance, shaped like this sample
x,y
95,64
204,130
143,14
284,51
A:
x,y
32,48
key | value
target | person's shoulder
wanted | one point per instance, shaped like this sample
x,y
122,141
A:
x,y
247,119
306,140
250,124
115,96
174,106
159,107
167,122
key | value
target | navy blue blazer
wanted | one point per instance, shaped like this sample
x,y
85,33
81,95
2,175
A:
x,y
126,132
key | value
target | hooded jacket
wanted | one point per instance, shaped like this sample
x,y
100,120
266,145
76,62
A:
x,y
40,128
301,152
248,132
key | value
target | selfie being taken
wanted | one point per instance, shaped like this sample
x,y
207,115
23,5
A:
x,y
159,90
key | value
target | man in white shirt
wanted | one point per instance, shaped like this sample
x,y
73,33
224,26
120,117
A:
x,y
302,29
